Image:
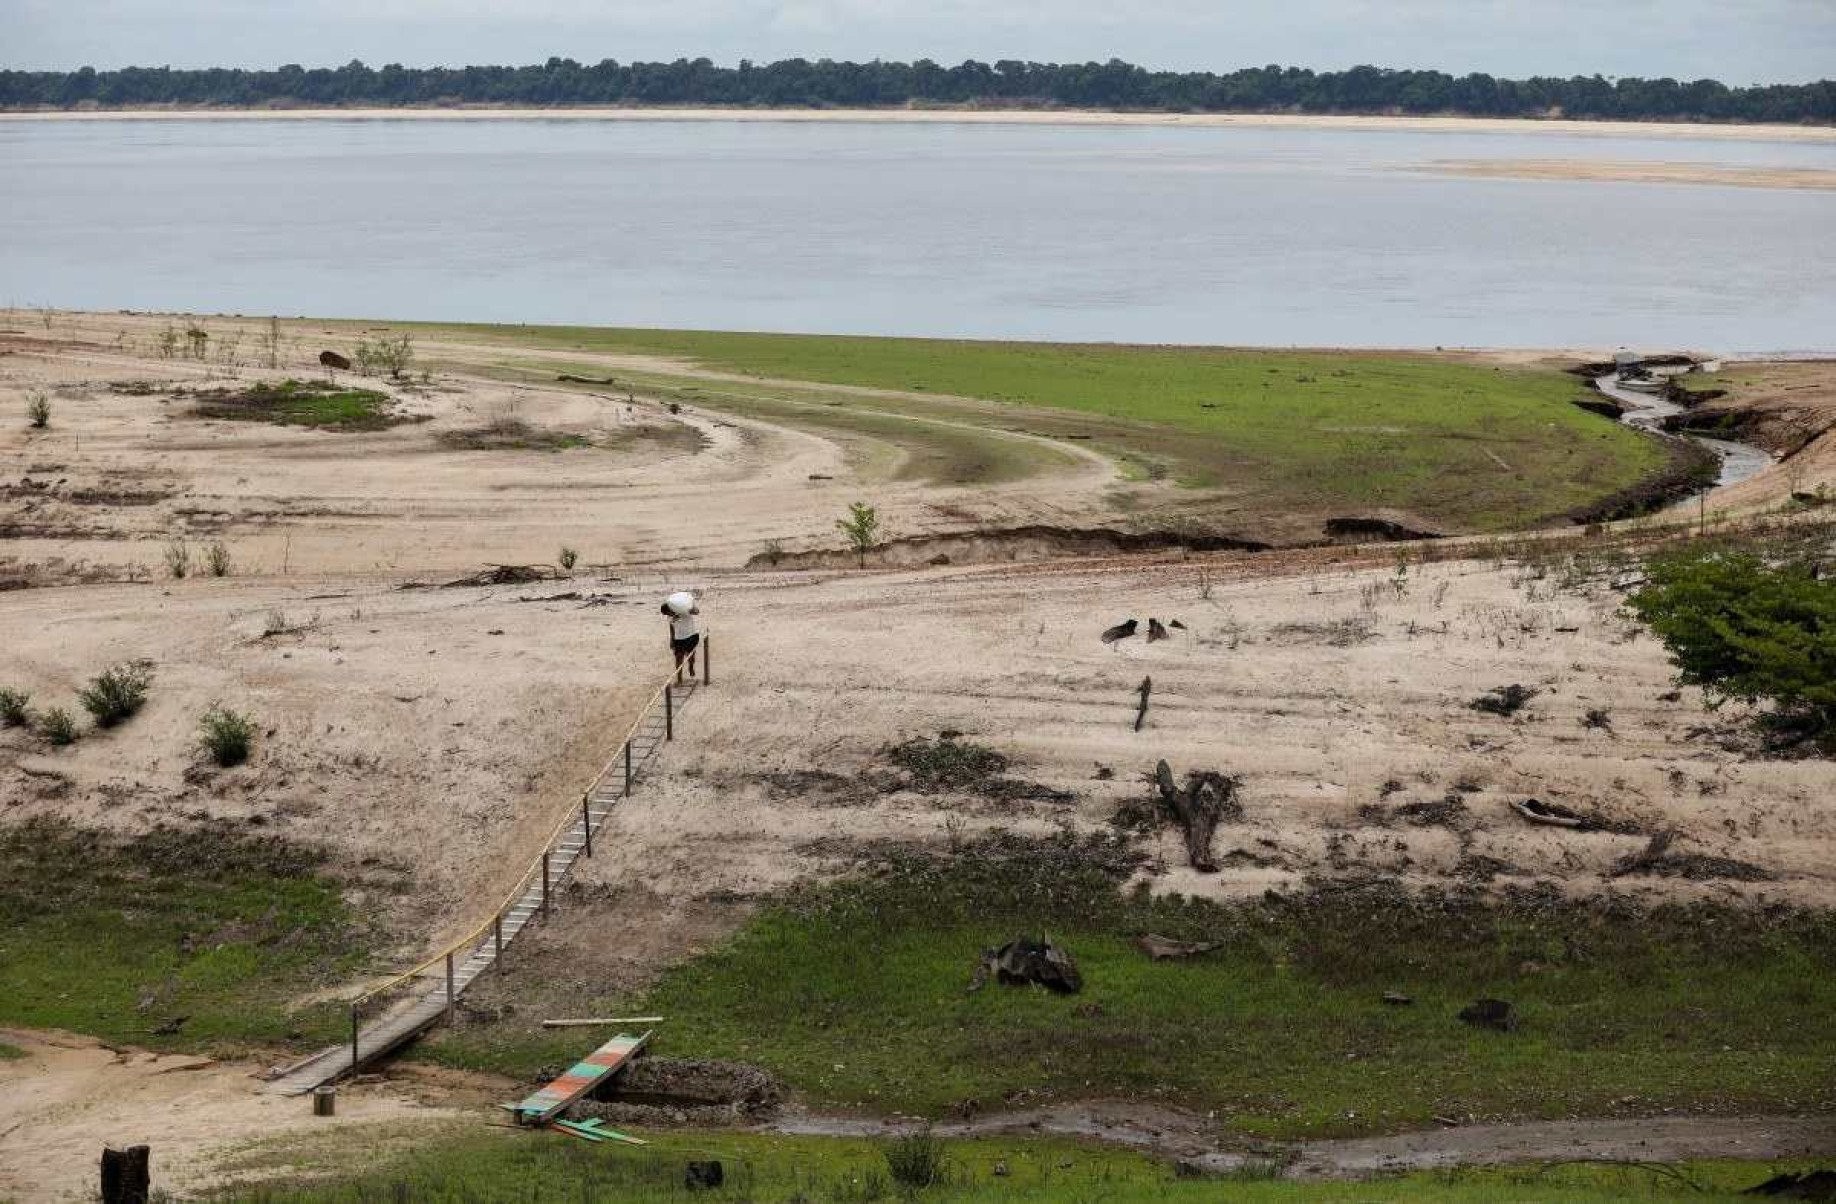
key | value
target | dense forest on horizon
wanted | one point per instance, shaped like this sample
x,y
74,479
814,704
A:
x,y
801,83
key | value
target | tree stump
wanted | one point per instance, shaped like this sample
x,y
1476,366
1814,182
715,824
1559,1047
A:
x,y
127,1175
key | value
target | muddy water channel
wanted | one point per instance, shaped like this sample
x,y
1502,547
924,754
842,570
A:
x,y
1647,411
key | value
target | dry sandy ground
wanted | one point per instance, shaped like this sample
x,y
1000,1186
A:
x,y
1637,129
69,1096
431,736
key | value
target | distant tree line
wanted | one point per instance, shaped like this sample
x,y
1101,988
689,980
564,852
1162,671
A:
x,y
824,83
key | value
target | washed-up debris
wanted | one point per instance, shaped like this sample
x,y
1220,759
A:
x,y
1026,961
1209,799
331,359
595,1130
507,574
1656,860
1397,999
1144,689
594,1022
1162,948
1553,814
1176,624
702,1175
1503,700
1495,1014
1121,631
1156,631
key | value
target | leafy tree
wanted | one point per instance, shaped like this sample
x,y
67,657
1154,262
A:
x,y
862,527
1747,629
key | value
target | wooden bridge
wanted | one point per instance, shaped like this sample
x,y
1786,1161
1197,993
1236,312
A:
x,y
387,1017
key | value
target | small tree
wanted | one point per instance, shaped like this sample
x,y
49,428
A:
x,y
1745,629
862,527
568,559
38,409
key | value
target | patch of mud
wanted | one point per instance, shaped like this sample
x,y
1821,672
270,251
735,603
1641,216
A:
x,y
1373,530
684,1091
1005,545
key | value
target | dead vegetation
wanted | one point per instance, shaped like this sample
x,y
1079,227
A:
x,y
1208,799
951,765
1658,860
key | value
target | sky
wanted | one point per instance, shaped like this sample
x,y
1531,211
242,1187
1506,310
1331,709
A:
x,y
1737,41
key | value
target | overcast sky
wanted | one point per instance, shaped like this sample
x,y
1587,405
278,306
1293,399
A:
x,y
1739,41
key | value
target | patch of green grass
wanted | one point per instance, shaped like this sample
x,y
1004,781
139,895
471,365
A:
x,y
311,403
120,936
856,995
1468,445
463,1163
10,1053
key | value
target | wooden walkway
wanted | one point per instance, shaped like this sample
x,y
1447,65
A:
x,y
430,999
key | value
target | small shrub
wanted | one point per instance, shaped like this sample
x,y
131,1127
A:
x,y
862,527
385,353
774,552
568,558
57,727
917,1161
178,559
217,560
38,409
13,708
226,735
118,692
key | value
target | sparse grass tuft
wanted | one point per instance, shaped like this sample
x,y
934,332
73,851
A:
x,y
57,727
117,693
13,704
916,1161
217,560
38,409
1503,700
226,735
178,559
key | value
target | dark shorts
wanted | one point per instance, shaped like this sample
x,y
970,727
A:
x,y
685,647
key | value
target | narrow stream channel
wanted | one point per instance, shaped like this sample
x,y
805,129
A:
x,y
1647,412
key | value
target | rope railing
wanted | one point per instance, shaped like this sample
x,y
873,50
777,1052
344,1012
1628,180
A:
x,y
490,934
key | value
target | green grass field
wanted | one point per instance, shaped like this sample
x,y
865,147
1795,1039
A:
x,y
209,927
857,996
1464,445
464,1162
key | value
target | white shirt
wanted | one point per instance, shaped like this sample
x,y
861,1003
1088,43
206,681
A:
x,y
681,627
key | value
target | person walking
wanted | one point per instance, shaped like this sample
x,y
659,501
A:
x,y
684,615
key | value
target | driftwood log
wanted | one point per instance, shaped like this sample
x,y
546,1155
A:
x,y
1208,799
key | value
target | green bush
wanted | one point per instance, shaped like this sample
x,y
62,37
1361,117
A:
x,y
862,527
115,694
13,708
1747,629
57,727
226,735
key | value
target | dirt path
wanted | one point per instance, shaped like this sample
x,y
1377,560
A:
x,y
71,1095
1194,1141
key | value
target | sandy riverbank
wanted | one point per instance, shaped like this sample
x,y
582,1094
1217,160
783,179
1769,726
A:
x,y
1083,117
1637,173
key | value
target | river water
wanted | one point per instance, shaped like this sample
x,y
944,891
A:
x,y
1234,235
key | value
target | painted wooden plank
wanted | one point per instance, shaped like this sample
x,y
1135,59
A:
x,y
581,1078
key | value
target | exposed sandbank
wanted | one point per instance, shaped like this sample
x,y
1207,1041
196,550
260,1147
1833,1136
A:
x,y
1638,173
